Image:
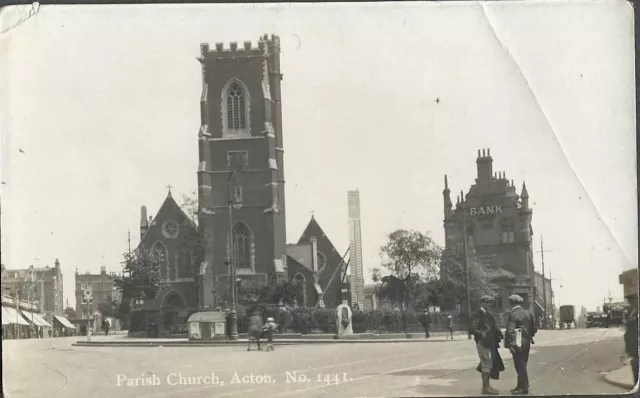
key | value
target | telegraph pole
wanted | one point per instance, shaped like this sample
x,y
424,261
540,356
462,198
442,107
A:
x,y
553,312
466,263
544,284
129,240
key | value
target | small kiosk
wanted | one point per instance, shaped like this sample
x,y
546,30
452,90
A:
x,y
209,325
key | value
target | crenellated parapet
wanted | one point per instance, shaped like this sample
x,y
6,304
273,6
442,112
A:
x,y
233,51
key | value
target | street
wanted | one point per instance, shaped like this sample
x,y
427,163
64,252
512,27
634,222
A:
x,y
561,362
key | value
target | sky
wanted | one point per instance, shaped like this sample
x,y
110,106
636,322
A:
x,y
104,102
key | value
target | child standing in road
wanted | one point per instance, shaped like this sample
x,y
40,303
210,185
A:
x,y
267,332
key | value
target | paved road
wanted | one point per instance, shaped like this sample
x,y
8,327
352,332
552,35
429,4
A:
x,y
570,361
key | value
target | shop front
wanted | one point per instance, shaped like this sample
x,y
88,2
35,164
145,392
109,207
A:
x,y
14,326
62,327
38,326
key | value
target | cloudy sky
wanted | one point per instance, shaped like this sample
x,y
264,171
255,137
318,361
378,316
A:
x,y
104,101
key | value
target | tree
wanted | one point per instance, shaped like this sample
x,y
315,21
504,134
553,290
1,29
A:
x,y
410,254
282,291
411,258
190,206
273,291
140,277
108,309
454,279
70,312
195,242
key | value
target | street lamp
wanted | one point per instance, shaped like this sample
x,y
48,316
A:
x,y
466,265
233,204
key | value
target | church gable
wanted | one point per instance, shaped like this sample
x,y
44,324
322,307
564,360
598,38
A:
x,y
328,256
302,254
169,237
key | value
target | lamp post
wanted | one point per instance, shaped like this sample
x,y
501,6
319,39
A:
x,y
466,265
233,334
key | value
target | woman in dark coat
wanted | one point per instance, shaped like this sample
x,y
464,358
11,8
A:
x,y
255,329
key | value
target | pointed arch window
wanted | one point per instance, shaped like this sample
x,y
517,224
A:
x,y
184,263
242,242
159,254
301,282
322,261
235,109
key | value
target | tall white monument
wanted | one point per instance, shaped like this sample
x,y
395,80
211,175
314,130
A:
x,y
355,250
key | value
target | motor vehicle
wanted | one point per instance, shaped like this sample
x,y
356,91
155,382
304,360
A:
x,y
567,316
595,320
615,313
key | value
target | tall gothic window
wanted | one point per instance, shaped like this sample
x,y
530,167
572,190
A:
x,y
159,253
242,246
301,282
322,261
236,107
184,263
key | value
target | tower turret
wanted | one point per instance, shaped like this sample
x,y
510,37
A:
x,y
447,198
524,196
144,224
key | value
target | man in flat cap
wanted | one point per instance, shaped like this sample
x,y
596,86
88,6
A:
x,y
631,334
521,328
486,336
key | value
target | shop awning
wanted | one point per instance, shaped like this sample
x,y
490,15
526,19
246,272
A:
x,y
35,318
64,322
12,317
5,317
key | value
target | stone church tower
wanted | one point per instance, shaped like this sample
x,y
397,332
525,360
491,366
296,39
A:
x,y
241,162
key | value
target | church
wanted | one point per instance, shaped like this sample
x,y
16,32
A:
x,y
169,238
241,177
241,196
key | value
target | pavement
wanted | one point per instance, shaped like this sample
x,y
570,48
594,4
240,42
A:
x,y
124,341
622,377
562,362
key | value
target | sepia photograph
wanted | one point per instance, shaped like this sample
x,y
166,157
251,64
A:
x,y
392,199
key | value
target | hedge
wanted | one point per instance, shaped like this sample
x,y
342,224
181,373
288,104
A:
x,y
307,320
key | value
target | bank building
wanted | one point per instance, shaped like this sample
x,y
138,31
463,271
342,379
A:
x,y
498,231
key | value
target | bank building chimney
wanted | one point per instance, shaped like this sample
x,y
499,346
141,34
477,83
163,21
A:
x,y
485,165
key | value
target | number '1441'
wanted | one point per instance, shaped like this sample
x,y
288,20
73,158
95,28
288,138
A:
x,y
334,378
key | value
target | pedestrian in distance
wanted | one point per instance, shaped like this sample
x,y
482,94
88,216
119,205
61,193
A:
x,y
227,324
631,335
486,336
521,329
255,329
449,324
425,321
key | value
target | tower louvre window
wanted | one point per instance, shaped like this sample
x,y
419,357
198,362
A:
x,y
237,160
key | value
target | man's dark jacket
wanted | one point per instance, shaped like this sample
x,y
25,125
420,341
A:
x,y
425,320
255,326
520,318
485,331
631,335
